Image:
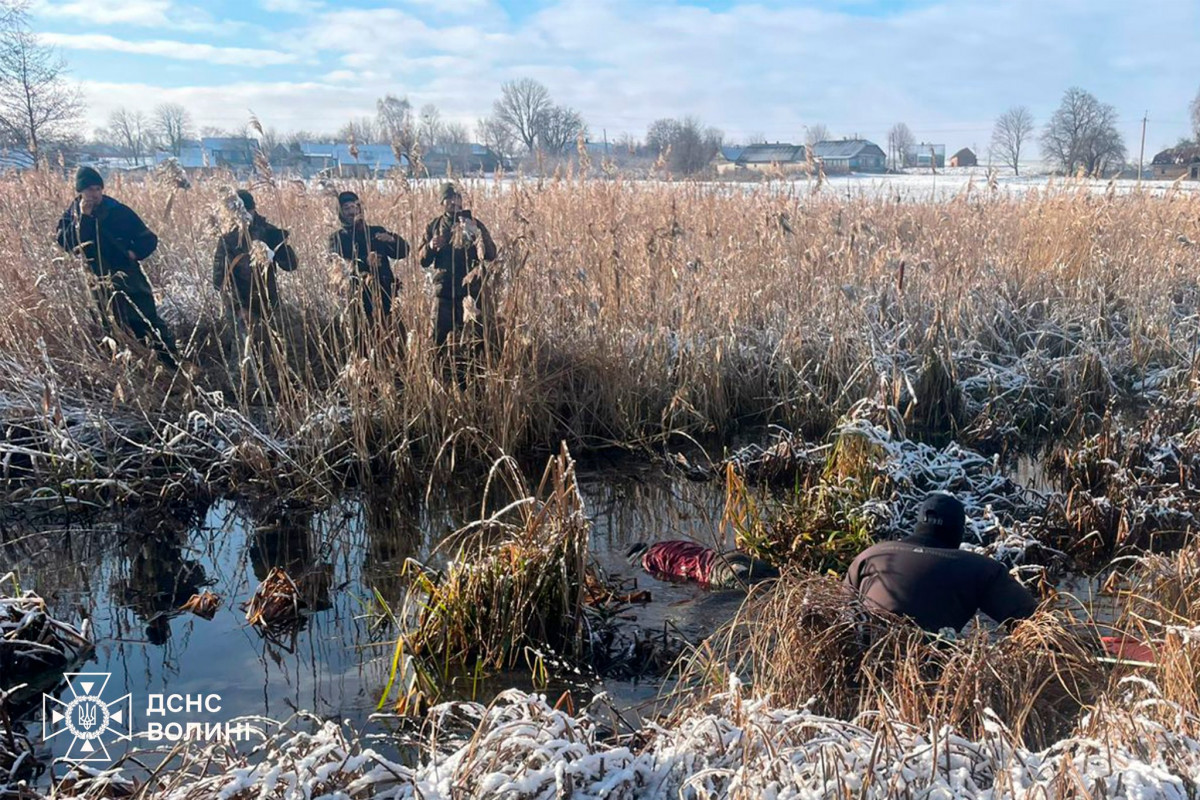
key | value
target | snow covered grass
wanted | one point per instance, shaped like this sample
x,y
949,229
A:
x,y
731,745
35,648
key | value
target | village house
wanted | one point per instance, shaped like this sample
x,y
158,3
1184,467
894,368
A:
x,y
1177,162
725,161
347,161
850,155
923,154
964,158
764,158
465,158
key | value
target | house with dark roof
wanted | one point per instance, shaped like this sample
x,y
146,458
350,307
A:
x,y
726,158
850,155
466,158
215,153
1177,162
351,161
964,158
777,157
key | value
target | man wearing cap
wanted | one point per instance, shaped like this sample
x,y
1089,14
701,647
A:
x,y
251,288
455,245
370,249
113,240
928,578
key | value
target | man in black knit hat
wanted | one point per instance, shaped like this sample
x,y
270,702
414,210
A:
x,y
928,578
112,239
454,249
370,250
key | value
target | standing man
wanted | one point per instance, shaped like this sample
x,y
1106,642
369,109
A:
x,y
113,240
370,249
455,245
251,288
927,578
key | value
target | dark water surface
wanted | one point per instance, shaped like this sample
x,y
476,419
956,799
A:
x,y
129,577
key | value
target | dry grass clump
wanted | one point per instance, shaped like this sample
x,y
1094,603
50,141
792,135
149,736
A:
x,y
1127,491
620,313
516,584
810,641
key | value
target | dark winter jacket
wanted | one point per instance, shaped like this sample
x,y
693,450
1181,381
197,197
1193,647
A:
x,y
234,271
106,237
355,243
936,584
455,259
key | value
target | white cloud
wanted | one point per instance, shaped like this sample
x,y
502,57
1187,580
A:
x,y
947,68
290,6
184,51
109,12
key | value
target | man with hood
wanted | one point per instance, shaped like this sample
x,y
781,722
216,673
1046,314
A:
x,y
251,288
112,239
928,578
455,245
370,249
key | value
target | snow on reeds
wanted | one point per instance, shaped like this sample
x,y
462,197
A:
x,y
731,745
34,646
617,312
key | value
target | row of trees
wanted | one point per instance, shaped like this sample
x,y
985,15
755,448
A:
x,y
1081,136
38,105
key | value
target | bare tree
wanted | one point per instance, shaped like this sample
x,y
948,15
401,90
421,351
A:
x,y
692,147
394,119
900,142
453,133
173,124
429,127
661,134
1082,135
520,109
36,102
130,130
559,128
360,131
496,135
817,133
1012,130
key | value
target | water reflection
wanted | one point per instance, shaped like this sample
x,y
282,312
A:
x,y
130,577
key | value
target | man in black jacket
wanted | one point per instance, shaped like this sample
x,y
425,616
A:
x,y
455,246
113,239
370,249
928,578
251,288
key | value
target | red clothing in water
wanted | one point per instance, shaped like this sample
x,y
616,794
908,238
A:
x,y
680,560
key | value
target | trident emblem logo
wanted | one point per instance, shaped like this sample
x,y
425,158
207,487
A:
x,y
87,717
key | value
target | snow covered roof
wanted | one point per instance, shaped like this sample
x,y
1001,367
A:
x,y
845,149
777,153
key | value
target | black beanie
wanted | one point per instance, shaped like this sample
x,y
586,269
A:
x,y
85,177
346,197
941,520
247,199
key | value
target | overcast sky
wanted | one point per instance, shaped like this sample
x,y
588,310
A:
x,y
858,66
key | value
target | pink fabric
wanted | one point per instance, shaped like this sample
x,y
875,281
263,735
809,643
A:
x,y
680,560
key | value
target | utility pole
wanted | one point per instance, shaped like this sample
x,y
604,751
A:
x,y
1142,149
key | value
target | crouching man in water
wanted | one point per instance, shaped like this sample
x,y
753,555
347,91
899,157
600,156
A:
x,y
681,560
928,578
112,240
